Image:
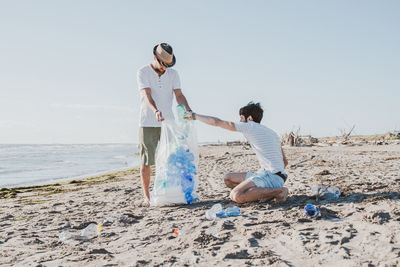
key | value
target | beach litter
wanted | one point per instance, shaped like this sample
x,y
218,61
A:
x,y
211,214
179,232
325,192
333,219
91,231
213,230
311,211
229,212
112,219
217,211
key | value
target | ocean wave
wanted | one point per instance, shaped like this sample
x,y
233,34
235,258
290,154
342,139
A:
x,y
34,164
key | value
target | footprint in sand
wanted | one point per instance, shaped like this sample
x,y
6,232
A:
x,y
253,242
228,225
378,217
258,235
211,178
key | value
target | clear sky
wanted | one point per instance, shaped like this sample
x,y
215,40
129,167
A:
x,y
68,68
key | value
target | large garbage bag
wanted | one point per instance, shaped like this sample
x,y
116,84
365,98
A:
x,y
177,157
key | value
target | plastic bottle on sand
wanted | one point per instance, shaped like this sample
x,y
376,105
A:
x,y
232,211
91,231
211,214
113,219
332,192
66,236
324,192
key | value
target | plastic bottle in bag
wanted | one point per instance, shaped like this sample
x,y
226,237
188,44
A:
x,y
182,113
176,180
182,119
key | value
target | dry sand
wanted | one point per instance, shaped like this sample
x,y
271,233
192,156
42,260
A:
x,y
265,233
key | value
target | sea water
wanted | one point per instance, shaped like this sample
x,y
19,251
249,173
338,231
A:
x,y
22,165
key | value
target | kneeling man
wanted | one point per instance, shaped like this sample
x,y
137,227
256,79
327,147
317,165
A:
x,y
268,181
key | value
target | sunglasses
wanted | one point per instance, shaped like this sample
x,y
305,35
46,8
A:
x,y
162,63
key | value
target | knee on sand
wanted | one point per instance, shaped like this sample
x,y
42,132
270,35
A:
x,y
238,197
228,181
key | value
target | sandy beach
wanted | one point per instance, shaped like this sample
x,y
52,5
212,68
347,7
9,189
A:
x,y
361,228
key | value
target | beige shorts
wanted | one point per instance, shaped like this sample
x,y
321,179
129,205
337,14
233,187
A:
x,y
148,140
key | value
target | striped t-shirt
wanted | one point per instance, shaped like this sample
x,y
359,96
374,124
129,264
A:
x,y
266,144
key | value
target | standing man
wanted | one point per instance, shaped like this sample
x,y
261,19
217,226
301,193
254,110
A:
x,y
157,83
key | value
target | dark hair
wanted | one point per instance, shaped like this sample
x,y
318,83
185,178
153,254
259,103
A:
x,y
254,110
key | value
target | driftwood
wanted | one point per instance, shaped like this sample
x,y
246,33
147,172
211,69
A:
x,y
295,139
291,139
394,134
346,135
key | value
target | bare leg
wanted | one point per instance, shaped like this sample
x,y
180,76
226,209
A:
x,y
247,192
145,176
232,179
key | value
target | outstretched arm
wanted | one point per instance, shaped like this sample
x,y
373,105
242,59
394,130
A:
x,y
213,121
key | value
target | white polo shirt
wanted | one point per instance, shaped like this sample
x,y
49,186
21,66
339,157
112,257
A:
x,y
162,91
266,143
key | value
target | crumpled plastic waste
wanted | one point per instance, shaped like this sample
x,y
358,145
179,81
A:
x,y
179,232
217,211
325,192
211,214
112,219
91,231
181,167
311,211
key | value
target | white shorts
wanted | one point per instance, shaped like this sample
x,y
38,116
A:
x,y
265,179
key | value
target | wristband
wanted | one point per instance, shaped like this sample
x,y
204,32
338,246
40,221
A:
x,y
155,112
